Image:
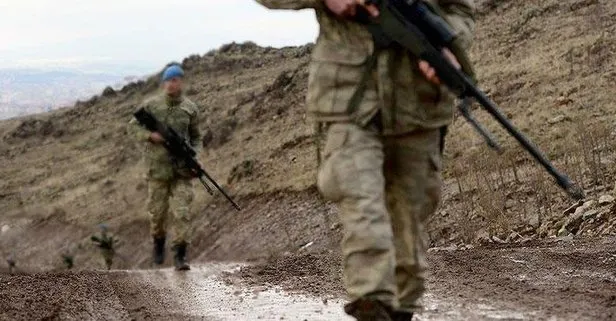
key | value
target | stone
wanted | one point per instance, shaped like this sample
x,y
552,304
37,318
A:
x,y
533,220
512,237
510,203
497,239
307,245
109,92
334,226
590,214
563,232
579,211
573,223
5,228
543,230
573,207
562,100
589,204
482,237
556,119
606,199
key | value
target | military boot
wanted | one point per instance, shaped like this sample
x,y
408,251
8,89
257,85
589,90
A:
x,y
180,257
368,310
159,250
401,316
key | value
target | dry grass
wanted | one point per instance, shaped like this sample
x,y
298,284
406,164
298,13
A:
x,y
509,192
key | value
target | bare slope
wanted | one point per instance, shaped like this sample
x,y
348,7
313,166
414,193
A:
x,y
549,64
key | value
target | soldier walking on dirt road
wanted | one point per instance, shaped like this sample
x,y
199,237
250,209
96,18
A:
x,y
107,244
169,180
382,154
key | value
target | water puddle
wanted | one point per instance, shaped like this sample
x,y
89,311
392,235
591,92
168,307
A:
x,y
202,293
439,310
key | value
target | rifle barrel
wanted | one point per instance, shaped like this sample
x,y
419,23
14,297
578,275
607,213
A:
x,y
207,187
204,173
561,179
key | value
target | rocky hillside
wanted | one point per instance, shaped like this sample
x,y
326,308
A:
x,y
550,65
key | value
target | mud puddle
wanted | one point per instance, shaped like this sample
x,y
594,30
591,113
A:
x,y
202,293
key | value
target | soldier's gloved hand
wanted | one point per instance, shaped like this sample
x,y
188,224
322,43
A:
x,y
430,73
156,138
348,8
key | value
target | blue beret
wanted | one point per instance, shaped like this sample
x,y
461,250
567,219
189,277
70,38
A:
x,y
172,71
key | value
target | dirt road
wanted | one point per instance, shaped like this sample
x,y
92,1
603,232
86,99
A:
x,y
564,279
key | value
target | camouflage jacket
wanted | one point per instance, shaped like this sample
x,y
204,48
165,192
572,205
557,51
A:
x,y
407,101
183,116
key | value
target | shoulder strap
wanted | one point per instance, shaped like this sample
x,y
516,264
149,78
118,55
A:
x,y
358,95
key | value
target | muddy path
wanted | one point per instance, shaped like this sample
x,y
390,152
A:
x,y
565,279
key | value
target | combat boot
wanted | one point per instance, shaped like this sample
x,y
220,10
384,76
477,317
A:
x,y
159,250
369,310
180,257
401,316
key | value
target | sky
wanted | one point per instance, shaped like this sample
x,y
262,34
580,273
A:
x,y
138,35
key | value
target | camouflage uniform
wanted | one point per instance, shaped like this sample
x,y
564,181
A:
x,y
169,181
107,244
381,160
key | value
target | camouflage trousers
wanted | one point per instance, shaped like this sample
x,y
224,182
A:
x,y
385,188
108,255
173,196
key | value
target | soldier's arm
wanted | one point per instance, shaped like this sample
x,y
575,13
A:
x,y
137,131
461,17
292,4
194,131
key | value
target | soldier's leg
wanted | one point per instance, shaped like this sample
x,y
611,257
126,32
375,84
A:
x,y
157,206
413,189
351,175
108,256
181,199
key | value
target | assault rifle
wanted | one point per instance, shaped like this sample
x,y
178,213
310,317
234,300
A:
x,y
419,27
179,148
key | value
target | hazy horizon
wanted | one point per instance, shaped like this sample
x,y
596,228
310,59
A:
x,y
137,36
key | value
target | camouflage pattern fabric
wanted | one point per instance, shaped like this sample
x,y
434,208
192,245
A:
x,y
386,187
170,196
106,243
406,100
381,161
169,181
183,116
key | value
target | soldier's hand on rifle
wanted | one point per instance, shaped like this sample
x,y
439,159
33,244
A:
x,y
194,172
156,138
430,73
348,8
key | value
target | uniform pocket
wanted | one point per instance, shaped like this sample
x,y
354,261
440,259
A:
x,y
354,164
335,140
331,86
328,182
418,101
